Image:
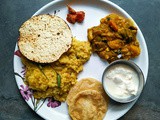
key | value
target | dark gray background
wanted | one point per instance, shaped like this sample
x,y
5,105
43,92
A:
x,y
13,13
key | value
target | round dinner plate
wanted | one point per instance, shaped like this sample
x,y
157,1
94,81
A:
x,y
94,11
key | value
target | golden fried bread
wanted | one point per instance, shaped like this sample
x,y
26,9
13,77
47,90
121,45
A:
x,y
86,84
44,38
88,105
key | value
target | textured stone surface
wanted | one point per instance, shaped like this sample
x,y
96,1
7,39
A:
x,y
15,12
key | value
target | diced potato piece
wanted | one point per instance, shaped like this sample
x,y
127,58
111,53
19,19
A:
x,y
115,44
135,50
90,34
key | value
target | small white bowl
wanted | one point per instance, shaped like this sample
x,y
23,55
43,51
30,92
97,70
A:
x,y
140,76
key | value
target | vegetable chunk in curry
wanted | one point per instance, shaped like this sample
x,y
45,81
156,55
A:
x,y
115,38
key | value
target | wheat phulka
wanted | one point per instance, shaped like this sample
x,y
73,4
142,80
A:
x,y
44,38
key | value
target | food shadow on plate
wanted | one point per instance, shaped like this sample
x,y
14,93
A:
x,y
119,106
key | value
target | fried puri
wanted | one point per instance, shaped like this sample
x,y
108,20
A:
x,y
87,100
88,105
86,84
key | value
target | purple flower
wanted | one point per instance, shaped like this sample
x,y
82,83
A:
x,y
25,92
53,103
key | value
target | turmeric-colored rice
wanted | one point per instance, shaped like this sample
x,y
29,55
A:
x,y
42,78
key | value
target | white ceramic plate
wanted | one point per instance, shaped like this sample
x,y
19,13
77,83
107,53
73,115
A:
x,y
95,10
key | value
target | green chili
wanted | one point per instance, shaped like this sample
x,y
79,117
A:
x,y
58,80
41,69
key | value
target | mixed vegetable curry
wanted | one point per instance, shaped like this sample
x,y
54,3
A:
x,y
115,38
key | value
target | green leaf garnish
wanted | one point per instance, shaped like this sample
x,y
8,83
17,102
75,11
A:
x,y
58,80
41,69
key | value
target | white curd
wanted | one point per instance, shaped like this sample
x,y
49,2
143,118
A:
x,y
121,81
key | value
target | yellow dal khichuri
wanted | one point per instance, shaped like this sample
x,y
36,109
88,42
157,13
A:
x,y
56,79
